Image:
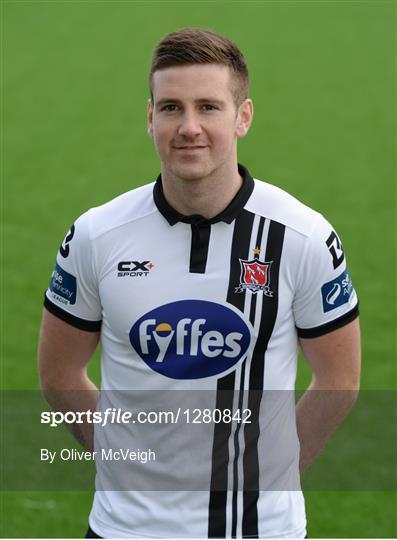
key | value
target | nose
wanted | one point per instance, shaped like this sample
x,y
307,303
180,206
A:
x,y
190,125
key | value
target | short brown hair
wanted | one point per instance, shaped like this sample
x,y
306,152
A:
x,y
198,46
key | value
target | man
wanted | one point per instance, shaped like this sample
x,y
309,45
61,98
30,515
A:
x,y
205,280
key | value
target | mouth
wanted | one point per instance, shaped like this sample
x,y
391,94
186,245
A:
x,y
188,148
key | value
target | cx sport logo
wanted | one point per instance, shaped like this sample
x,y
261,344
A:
x,y
191,339
134,268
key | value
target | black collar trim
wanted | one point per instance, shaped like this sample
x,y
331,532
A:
x,y
228,215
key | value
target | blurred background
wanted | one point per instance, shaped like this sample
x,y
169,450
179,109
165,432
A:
x,y
74,136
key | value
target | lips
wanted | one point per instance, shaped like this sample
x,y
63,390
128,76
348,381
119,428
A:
x,y
197,147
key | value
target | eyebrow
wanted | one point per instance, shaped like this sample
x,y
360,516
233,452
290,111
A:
x,y
165,101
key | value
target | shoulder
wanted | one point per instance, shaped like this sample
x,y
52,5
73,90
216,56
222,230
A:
x,y
276,204
123,210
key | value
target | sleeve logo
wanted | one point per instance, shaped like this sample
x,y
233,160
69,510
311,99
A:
x,y
64,247
337,292
63,286
336,249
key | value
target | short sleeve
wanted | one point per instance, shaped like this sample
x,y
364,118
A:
x,y
325,298
72,294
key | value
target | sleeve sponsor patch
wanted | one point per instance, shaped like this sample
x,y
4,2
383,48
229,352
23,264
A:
x,y
64,247
337,292
63,286
336,249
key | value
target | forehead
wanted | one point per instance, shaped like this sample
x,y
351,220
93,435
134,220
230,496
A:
x,y
194,81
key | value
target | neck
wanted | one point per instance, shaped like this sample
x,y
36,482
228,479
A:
x,y
207,196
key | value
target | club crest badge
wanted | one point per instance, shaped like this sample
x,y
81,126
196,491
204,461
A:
x,y
255,276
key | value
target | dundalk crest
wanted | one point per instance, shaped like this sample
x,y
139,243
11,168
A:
x,y
255,275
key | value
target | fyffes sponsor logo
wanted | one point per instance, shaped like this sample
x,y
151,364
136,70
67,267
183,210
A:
x,y
191,339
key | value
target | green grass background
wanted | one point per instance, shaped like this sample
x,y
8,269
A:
x,y
74,136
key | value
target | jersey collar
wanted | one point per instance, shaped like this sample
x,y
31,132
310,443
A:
x,y
227,215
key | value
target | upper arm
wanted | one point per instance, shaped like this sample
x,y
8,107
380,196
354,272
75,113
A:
x,y
325,299
326,311
72,319
64,352
73,292
335,358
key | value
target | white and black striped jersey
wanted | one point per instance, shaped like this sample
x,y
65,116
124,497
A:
x,y
187,304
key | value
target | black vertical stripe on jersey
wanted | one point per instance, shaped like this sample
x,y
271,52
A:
x,y
225,387
237,453
257,244
240,250
241,394
251,431
199,247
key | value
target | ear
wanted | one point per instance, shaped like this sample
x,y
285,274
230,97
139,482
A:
x,y
244,118
150,117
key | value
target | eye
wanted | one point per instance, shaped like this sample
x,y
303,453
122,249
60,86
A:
x,y
170,107
207,107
